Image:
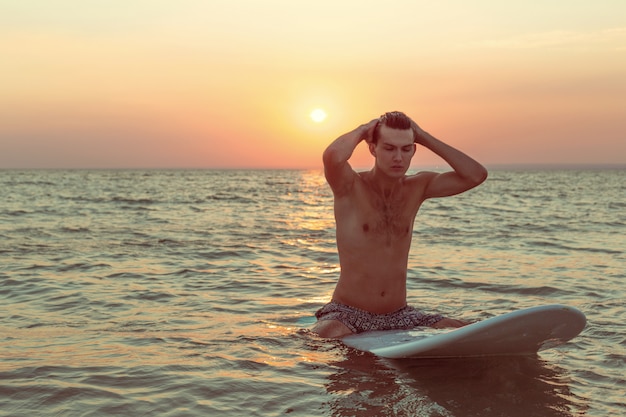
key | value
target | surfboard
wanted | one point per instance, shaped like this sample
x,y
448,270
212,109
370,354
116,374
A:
x,y
521,332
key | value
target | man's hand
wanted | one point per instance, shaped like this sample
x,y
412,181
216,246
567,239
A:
x,y
367,130
418,132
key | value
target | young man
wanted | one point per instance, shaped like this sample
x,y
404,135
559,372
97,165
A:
x,y
374,214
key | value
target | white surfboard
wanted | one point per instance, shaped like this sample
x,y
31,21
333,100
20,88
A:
x,y
522,332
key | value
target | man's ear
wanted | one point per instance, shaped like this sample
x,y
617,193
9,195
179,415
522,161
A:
x,y
372,147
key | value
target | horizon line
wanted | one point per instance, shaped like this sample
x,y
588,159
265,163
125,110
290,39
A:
x,y
496,167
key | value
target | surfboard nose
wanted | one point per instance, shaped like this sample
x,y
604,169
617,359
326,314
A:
x,y
573,322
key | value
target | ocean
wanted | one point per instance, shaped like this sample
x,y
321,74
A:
x,y
190,292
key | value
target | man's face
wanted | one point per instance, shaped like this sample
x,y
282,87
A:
x,y
394,151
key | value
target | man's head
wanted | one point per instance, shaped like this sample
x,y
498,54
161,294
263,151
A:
x,y
393,120
393,144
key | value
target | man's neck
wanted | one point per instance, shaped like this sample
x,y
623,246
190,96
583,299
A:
x,y
383,181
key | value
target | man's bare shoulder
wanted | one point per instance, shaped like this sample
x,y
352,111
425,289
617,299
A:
x,y
361,178
362,175
420,179
341,181
421,176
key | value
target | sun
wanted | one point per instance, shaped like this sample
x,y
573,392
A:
x,y
318,115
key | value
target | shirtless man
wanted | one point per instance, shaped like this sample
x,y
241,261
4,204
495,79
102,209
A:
x,y
374,214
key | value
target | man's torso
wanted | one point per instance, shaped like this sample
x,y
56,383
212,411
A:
x,y
374,230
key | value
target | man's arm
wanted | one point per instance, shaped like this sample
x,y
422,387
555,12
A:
x,y
467,173
338,171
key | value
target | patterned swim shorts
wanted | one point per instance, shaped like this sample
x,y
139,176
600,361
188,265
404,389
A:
x,y
359,321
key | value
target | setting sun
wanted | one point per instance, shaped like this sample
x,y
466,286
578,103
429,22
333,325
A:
x,y
318,115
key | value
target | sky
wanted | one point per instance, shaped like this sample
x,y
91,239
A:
x,y
232,83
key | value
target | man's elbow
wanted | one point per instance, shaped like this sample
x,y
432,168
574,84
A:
x,y
475,177
331,157
479,176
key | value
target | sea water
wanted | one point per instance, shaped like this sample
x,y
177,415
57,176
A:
x,y
189,293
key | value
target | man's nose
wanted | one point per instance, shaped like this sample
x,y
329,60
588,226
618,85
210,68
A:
x,y
397,156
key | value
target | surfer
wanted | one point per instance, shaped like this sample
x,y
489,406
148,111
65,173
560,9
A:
x,y
374,213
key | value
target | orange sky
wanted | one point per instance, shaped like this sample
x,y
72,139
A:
x,y
231,83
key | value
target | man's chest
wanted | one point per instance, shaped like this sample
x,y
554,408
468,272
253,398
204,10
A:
x,y
377,217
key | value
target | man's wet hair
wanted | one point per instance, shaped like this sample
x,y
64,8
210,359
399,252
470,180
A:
x,y
393,120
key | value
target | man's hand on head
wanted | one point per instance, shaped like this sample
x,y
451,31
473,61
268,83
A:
x,y
418,132
368,130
